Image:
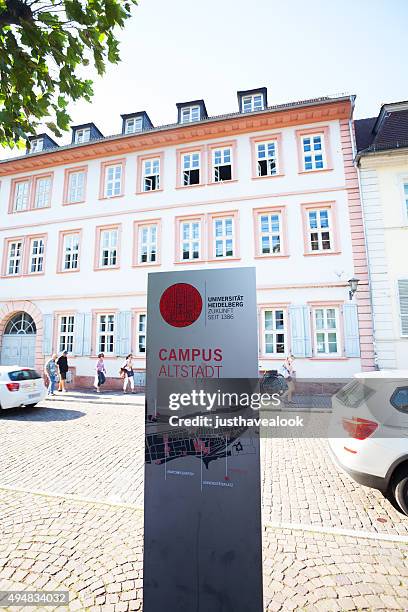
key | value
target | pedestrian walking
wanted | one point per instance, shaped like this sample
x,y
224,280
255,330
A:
x,y
289,372
126,372
51,369
100,377
62,363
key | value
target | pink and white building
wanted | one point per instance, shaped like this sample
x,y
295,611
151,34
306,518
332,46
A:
x,y
268,186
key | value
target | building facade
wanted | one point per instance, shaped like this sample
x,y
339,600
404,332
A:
x,y
383,166
270,187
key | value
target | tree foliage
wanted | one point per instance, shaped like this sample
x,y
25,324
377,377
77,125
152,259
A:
x,y
44,45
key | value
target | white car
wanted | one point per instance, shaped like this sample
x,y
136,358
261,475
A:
x,y
20,386
372,411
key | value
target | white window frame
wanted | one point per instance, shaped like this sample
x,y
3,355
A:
x,y
82,135
66,331
106,329
70,251
36,145
224,237
403,315
313,153
148,243
42,193
274,331
76,186
319,230
141,329
253,102
133,125
223,162
190,114
270,233
14,257
268,157
37,255
110,247
113,180
21,196
326,330
190,241
154,164
190,160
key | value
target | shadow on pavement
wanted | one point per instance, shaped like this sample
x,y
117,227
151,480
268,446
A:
x,y
39,414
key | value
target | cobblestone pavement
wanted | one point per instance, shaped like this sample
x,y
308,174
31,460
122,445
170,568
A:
x,y
92,448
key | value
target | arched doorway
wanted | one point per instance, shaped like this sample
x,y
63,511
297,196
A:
x,y
18,344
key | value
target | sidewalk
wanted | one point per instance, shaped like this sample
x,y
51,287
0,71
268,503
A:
x,y
90,396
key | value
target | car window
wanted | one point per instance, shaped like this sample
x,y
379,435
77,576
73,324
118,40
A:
x,y
26,374
354,394
399,399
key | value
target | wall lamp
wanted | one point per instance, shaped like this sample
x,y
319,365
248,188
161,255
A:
x,y
353,284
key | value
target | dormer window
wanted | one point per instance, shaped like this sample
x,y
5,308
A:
x,y
36,145
133,125
82,135
252,103
190,114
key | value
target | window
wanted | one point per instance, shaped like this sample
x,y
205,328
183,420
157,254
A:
x,y
190,113
14,258
37,247
76,186
319,229
151,174
224,237
133,125
141,333
222,164
20,323
42,192
252,103
21,195
108,256
106,333
70,252
399,399
190,240
36,145
190,168
113,180
66,333
406,200
147,244
326,331
82,135
270,233
313,152
274,332
403,305
266,155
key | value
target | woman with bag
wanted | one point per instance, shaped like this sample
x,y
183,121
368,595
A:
x,y
126,372
100,377
288,371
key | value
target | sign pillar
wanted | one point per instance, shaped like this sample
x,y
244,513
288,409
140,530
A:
x,y
202,504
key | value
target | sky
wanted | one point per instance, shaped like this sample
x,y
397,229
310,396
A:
x,y
179,50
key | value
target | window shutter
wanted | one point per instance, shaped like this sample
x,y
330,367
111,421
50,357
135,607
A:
x,y
403,304
301,344
351,335
123,334
86,347
47,333
79,333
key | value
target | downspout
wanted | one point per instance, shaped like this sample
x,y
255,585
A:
x,y
356,159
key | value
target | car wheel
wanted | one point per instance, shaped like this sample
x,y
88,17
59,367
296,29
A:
x,y
400,491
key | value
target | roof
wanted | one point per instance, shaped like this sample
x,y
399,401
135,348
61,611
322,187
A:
x,y
383,133
270,109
